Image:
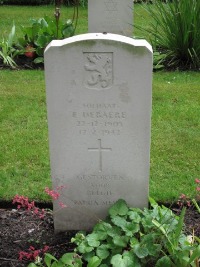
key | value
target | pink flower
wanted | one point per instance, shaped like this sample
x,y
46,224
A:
x,y
188,203
52,193
183,196
62,205
197,181
32,254
60,187
45,249
198,188
23,202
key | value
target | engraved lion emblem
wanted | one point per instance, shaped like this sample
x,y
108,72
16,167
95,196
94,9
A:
x,y
98,67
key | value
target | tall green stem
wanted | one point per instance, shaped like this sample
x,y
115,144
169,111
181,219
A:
x,y
196,205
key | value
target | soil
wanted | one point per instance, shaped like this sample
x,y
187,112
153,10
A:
x,y
22,231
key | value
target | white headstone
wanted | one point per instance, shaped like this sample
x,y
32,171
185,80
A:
x,y
111,16
99,108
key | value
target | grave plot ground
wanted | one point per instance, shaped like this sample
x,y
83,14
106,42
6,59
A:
x,y
20,230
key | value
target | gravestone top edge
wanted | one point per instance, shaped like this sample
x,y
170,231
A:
x,y
100,36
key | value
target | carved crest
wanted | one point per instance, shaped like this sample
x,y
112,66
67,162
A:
x,y
98,70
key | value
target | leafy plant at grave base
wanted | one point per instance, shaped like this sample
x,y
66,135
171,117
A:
x,y
176,33
42,32
67,260
8,50
132,237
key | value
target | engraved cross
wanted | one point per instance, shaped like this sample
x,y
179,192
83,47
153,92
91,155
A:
x,y
100,149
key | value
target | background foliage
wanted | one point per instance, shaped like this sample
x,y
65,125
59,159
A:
x,y
175,33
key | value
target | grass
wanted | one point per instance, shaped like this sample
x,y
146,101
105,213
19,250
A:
x,y
24,157
24,144
21,15
175,134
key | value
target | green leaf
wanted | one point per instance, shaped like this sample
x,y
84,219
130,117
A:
x,y
134,216
117,261
164,262
44,23
57,264
140,251
128,227
152,202
84,247
11,36
131,259
35,30
133,241
149,241
125,260
121,241
119,208
93,240
79,238
48,259
42,41
68,31
179,227
102,229
38,60
102,251
195,255
88,256
115,230
94,262
131,228
68,258
119,221
160,226
32,265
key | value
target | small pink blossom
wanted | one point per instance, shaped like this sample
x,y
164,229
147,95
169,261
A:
x,y
32,254
188,203
183,200
45,249
62,205
23,202
60,187
52,193
198,188
197,181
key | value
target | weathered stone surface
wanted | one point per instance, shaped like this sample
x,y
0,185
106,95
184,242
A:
x,y
111,16
99,108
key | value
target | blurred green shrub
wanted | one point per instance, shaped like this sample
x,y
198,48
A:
x,y
175,33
